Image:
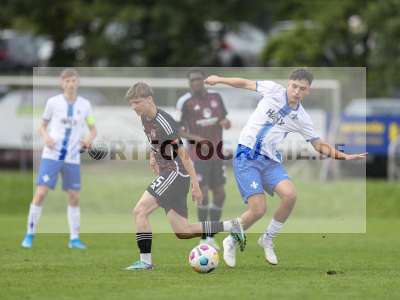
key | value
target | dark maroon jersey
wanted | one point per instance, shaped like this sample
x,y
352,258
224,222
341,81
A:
x,y
200,115
162,133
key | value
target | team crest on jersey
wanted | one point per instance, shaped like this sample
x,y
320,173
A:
x,y
207,113
214,104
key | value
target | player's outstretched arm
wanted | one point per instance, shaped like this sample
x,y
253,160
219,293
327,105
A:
x,y
232,81
188,164
326,149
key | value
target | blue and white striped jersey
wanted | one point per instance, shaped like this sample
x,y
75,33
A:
x,y
273,120
66,127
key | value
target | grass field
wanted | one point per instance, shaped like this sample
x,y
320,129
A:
x,y
366,265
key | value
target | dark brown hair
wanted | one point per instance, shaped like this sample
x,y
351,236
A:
x,y
302,74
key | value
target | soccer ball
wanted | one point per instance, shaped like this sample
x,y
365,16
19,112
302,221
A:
x,y
98,150
203,258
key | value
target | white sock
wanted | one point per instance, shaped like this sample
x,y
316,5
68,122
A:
x,y
273,228
227,225
146,257
74,221
34,214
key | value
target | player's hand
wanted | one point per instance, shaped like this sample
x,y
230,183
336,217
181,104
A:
x,y
225,123
212,80
197,195
154,166
49,142
85,145
356,156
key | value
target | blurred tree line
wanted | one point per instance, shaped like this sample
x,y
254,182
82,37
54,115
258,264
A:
x,y
173,33
342,33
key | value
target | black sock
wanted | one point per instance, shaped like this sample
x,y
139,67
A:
x,y
215,214
210,227
202,214
143,240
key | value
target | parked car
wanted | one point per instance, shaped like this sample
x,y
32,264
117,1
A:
x,y
22,50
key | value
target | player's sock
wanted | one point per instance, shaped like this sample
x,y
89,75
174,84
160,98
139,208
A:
x,y
273,228
210,227
34,214
143,240
215,213
145,257
202,214
228,225
74,221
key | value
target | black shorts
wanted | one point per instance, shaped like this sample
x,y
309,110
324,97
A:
x,y
210,172
171,189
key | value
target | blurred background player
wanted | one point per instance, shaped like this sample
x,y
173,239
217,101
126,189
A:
x,y
61,130
174,168
258,165
202,119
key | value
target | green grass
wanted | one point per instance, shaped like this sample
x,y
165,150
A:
x,y
366,265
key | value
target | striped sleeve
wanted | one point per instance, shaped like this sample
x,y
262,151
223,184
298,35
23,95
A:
x,y
169,126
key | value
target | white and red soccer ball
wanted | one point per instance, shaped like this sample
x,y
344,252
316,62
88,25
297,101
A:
x,y
203,258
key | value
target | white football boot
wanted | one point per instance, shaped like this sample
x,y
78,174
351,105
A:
x,y
229,245
269,252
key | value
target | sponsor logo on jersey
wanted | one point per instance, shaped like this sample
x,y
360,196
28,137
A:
x,y
69,122
276,117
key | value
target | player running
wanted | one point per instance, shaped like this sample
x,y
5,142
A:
x,y
203,118
258,165
66,114
169,189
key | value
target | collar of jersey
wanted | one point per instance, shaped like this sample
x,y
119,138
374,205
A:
x,y
287,103
70,103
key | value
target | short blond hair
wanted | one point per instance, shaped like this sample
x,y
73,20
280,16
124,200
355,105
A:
x,y
69,72
138,90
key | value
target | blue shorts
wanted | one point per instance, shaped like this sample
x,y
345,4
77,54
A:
x,y
70,173
256,173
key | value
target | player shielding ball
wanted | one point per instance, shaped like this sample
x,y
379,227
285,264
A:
x,y
258,165
62,123
174,169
